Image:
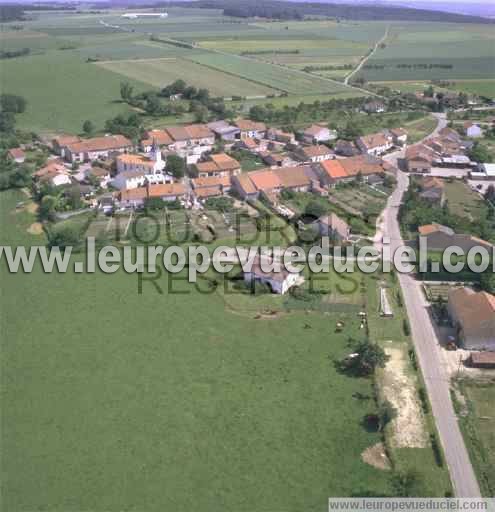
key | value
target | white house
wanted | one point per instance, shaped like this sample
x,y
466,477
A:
x,y
472,130
317,133
375,144
279,282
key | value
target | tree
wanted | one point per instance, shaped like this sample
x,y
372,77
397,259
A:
x,y
201,114
7,122
487,281
406,484
88,127
176,166
386,413
153,105
47,208
126,90
12,103
490,193
429,92
480,153
369,357
315,209
64,236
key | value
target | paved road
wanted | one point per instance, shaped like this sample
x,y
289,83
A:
x,y
429,352
365,59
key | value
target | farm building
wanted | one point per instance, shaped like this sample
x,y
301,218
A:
x,y
473,316
225,131
483,172
279,282
399,136
280,136
484,360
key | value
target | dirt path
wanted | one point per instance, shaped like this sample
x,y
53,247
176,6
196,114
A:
x,y
365,59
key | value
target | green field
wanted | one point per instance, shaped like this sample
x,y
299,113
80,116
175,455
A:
x,y
464,202
480,87
479,431
63,91
286,80
467,49
160,72
112,402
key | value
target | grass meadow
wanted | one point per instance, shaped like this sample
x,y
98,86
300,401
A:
x,y
112,401
479,432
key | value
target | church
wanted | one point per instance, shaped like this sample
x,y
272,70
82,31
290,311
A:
x,y
153,163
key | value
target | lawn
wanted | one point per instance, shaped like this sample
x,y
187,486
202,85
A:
x,y
463,201
480,87
160,72
62,91
112,401
479,431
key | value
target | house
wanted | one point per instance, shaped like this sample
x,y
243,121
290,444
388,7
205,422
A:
x,y
280,136
218,165
419,159
314,153
439,238
225,131
472,130
152,164
54,173
250,129
449,134
91,149
399,136
483,172
432,191
317,133
346,148
244,187
473,316
135,198
374,107
271,181
332,172
297,178
364,166
160,138
62,141
191,142
98,175
251,144
375,143
275,160
138,178
211,186
279,282
17,155
334,227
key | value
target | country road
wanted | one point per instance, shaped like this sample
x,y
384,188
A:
x,y
365,59
428,348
